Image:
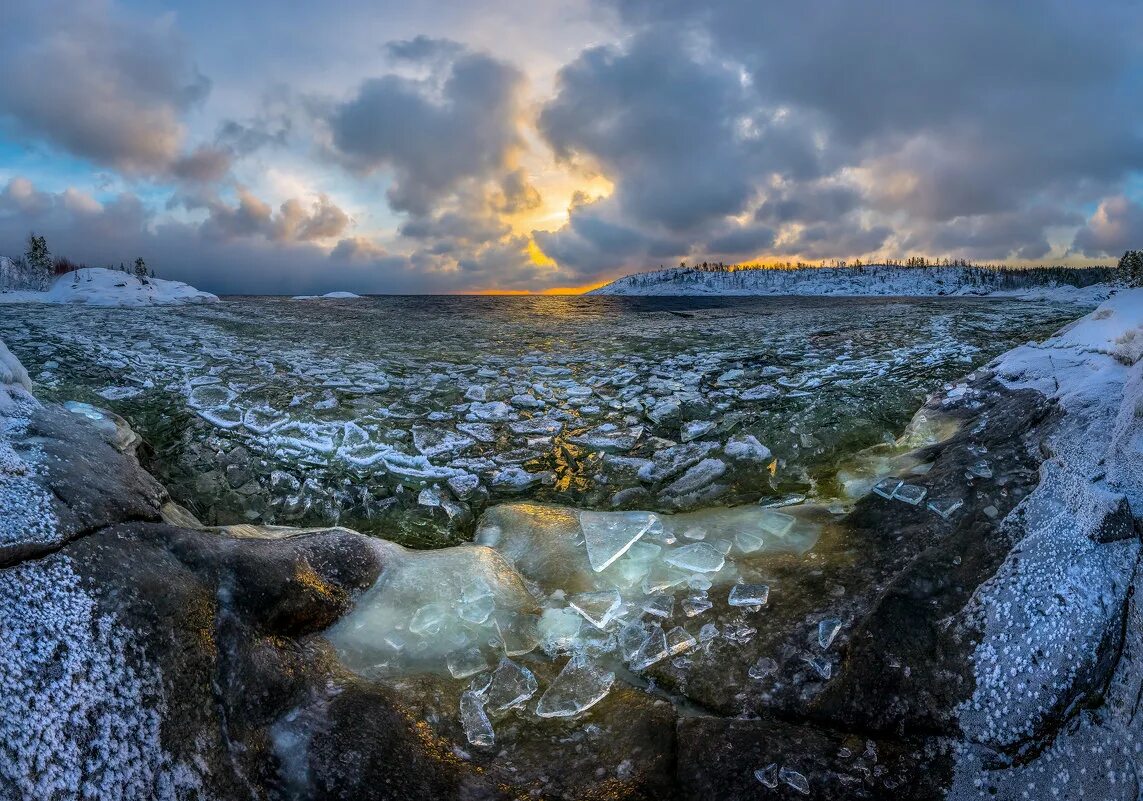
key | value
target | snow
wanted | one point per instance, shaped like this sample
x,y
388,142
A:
x,y
1058,600
98,286
871,280
327,295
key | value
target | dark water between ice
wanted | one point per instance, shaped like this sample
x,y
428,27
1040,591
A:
x,y
408,415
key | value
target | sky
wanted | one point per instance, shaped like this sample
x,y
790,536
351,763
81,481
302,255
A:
x,y
404,146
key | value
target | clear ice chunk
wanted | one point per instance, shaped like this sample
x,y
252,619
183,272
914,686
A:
x,y
749,595
598,608
694,533
827,630
748,541
695,605
764,667
708,632
910,494
945,509
795,780
679,640
659,605
699,557
518,634
651,651
768,776
608,535
699,582
820,664
429,618
510,686
478,610
475,590
469,662
739,633
477,727
631,638
776,523
579,686
558,630
887,486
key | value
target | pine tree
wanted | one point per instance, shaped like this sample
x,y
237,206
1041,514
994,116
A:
x,y
141,269
39,260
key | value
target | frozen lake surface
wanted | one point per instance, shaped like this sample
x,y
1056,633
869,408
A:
x,y
407,416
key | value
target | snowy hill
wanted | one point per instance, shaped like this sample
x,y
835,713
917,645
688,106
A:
x,y
97,286
878,280
328,295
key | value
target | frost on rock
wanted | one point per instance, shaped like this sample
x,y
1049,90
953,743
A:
x,y
80,708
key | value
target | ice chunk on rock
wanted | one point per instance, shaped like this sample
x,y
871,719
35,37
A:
x,y
910,494
696,605
608,535
659,605
651,651
469,662
795,780
510,687
679,640
827,630
749,595
699,557
477,727
580,685
598,608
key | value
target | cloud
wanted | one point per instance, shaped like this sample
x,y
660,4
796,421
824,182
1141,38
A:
x,y
1116,226
251,216
433,134
101,85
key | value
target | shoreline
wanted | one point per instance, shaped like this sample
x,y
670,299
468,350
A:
x,y
1075,496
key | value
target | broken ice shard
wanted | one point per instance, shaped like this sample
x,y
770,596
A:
x,y
477,611
517,633
768,775
469,662
699,557
581,685
910,494
631,638
477,727
827,630
820,664
679,640
795,780
776,523
764,667
659,605
510,686
749,595
429,618
653,649
696,605
558,630
945,508
887,486
708,632
598,608
608,535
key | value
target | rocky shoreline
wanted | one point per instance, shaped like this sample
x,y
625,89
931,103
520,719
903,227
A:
x,y
983,650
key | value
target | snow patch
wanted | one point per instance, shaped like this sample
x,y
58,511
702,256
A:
x,y
98,286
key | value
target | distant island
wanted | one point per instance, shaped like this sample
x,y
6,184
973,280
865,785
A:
x,y
904,280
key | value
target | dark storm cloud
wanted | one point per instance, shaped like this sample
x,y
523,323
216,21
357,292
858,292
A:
x,y
102,86
433,136
1116,226
251,216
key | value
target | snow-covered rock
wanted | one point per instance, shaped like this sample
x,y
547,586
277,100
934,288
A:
x,y
98,286
328,296
870,280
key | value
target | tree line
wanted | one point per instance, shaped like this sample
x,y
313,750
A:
x,y
36,269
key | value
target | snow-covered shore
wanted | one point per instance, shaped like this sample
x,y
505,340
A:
x,y
98,286
328,296
868,281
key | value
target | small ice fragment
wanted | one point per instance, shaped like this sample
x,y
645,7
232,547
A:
x,y
395,641
990,511
764,667
748,542
477,727
660,580
739,633
887,486
429,619
910,494
980,469
651,651
699,557
679,640
695,533
708,632
631,638
558,630
475,589
768,775
517,633
643,552
511,686
776,523
945,508
477,611
827,630
795,780
608,535
598,608
820,664
469,662
695,605
722,546
580,686
659,605
699,582
749,595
